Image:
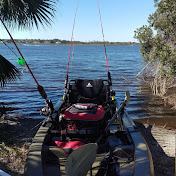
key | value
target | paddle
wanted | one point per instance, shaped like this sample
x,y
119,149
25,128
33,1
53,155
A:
x,y
80,161
123,104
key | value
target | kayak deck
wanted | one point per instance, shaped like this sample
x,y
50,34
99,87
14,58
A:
x,y
90,133
50,160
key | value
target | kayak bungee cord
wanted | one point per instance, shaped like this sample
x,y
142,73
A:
x,y
39,87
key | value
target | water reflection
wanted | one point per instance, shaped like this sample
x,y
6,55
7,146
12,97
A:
x,y
154,110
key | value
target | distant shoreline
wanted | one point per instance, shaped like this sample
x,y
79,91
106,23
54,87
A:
x,y
63,42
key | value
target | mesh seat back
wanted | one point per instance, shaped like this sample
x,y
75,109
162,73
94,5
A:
x,y
88,91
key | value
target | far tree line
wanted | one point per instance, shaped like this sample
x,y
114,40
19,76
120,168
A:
x,y
58,41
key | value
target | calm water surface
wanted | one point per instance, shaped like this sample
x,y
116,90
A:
x,y
49,64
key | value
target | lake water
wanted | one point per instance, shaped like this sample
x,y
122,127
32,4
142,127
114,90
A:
x,y
49,63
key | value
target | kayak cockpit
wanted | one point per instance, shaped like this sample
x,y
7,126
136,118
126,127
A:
x,y
89,134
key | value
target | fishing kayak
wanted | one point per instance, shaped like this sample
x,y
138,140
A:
x,y
89,132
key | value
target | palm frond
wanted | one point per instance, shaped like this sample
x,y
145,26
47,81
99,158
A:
x,y
8,72
26,13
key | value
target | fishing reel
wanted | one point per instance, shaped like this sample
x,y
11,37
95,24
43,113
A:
x,y
48,110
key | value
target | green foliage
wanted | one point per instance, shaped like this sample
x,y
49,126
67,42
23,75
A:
x,y
8,72
145,37
158,39
26,13
23,14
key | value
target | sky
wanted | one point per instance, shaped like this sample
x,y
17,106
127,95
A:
x,y
120,18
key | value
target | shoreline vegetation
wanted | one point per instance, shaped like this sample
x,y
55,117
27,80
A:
x,y
158,49
64,42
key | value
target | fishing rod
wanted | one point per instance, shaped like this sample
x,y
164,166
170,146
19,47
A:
x,y
39,87
8,47
109,74
66,78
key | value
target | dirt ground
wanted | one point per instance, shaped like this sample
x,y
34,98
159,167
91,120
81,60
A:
x,y
17,133
162,146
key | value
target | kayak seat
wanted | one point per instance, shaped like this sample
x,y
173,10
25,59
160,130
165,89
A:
x,y
88,91
86,108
